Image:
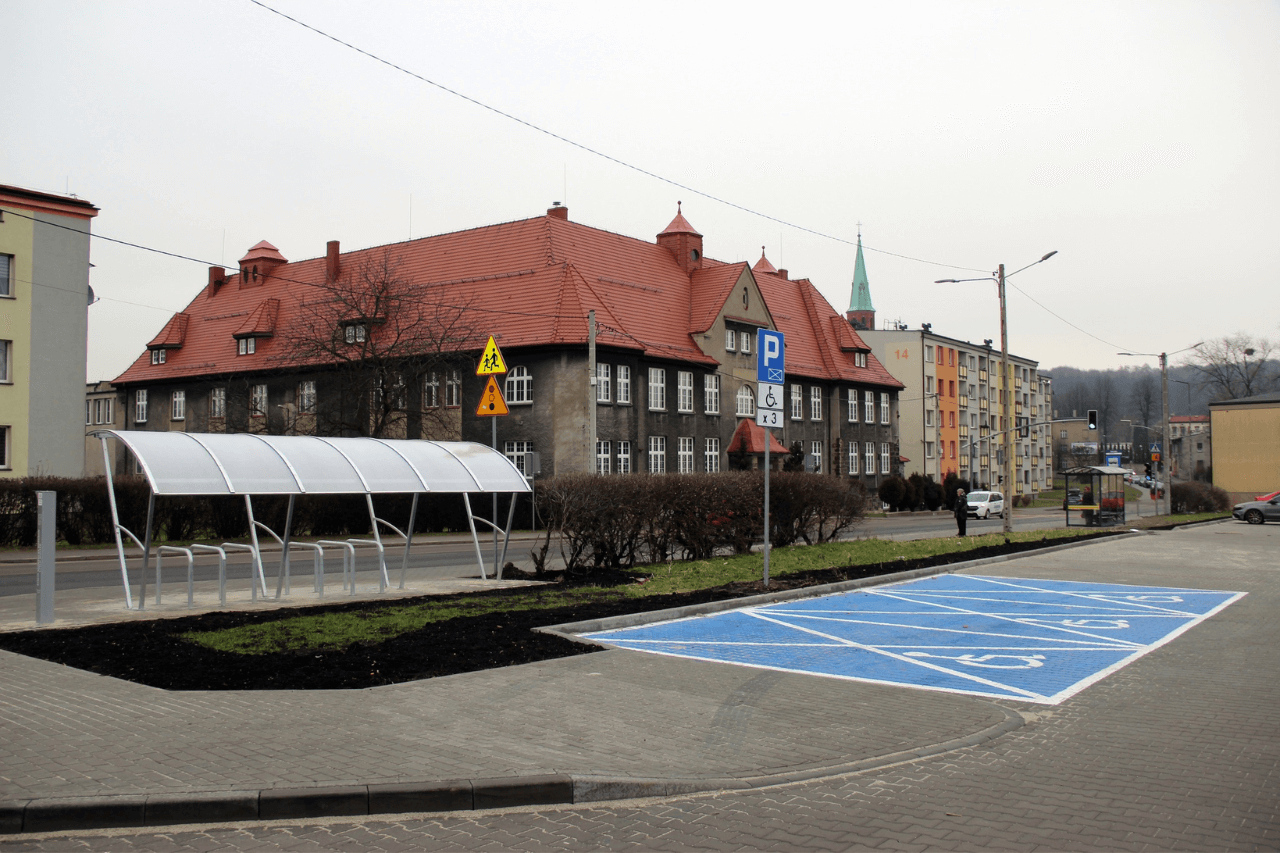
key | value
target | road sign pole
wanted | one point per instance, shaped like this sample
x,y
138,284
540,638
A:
x,y
768,439
770,375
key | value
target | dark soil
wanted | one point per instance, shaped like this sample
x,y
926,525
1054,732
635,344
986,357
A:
x,y
153,652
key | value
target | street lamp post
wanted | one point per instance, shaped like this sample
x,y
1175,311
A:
x,y
1164,439
1005,379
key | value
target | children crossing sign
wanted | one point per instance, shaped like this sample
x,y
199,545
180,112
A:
x,y
491,361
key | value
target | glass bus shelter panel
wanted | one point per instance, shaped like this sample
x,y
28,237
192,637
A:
x,y
384,470
490,470
182,467
319,466
253,467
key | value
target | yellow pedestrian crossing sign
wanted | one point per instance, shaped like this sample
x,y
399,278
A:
x,y
491,402
491,362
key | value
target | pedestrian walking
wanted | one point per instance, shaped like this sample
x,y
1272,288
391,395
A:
x,y
962,511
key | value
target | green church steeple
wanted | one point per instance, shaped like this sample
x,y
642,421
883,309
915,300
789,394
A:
x,y
861,313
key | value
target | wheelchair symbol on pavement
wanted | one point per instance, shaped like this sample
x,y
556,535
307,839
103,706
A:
x,y
983,661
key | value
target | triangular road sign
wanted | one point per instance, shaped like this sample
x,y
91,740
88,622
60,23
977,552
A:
x,y
491,402
491,362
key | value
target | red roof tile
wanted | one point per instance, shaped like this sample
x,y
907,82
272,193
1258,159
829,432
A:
x,y
679,225
749,437
528,283
763,264
173,333
263,251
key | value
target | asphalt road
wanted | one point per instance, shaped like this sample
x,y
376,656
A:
x,y
443,559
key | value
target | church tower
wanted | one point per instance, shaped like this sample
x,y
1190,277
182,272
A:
x,y
861,313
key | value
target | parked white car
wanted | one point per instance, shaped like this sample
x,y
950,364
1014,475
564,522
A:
x,y
985,504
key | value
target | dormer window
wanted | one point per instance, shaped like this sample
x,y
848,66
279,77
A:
x,y
356,333
158,356
246,346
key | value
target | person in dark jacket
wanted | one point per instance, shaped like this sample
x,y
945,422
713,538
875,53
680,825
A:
x,y
962,511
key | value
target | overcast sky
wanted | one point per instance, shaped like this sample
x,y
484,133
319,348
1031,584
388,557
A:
x,y
1139,140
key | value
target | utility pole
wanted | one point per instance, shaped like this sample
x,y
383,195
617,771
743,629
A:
x,y
1005,381
1164,439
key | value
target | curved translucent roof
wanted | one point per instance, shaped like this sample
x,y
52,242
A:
x,y
188,463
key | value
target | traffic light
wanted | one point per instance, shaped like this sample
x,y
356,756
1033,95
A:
x,y
1093,419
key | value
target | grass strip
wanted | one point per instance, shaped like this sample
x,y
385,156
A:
x,y
338,630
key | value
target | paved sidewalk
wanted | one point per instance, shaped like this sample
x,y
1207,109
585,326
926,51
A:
x,y
616,724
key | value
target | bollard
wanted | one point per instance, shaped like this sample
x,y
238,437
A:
x,y
46,540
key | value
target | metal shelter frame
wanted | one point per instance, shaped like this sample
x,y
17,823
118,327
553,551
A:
x,y
184,463
1101,502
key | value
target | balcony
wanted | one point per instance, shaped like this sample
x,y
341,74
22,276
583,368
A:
x,y
1017,382
984,431
964,401
984,461
982,404
964,463
963,371
1017,408
964,430
982,376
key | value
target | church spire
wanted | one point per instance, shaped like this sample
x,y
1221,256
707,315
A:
x,y
861,313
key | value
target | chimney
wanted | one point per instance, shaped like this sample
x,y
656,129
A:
x,y
331,264
217,278
558,211
782,274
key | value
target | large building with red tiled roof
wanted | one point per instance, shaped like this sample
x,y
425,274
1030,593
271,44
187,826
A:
x,y
665,381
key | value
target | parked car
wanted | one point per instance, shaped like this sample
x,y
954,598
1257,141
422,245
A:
x,y
985,504
1257,512
1267,497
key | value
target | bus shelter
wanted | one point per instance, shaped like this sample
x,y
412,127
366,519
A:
x,y
1095,495
249,465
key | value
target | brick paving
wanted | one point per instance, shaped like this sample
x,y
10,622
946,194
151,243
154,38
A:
x,y
1179,750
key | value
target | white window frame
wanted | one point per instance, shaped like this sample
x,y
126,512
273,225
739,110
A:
x,y
711,456
815,450
884,457
258,401
158,356
518,452
745,402
884,407
307,397
859,359
140,406
519,386
928,450
928,417
797,401
684,454
656,458
869,406
744,343
624,384
6,276
624,457
815,403
453,389
218,403
6,360
602,457
869,456
604,389
853,406
853,458
711,393
730,340
178,405
928,354
684,393
431,391
246,346
657,389
928,385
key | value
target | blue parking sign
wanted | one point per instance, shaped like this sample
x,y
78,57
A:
x,y
771,353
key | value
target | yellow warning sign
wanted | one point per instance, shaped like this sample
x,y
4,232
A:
x,y
491,362
491,402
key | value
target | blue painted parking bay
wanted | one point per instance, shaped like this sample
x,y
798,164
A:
x,y
1032,640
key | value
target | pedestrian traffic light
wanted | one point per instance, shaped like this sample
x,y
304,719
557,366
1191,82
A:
x,y
1093,419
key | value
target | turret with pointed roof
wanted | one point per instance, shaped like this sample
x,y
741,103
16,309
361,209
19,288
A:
x,y
861,313
683,241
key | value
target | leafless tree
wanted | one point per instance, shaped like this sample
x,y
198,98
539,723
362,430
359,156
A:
x,y
1236,366
379,343
1144,396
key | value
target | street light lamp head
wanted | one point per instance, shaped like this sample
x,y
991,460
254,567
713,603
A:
x,y
1048,256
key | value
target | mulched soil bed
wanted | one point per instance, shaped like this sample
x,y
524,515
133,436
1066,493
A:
x,y
153,652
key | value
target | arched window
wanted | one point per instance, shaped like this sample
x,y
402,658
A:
x,y
519,385
746,402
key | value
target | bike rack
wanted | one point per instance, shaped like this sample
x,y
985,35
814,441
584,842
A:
x,y
191,579
348,565
222,569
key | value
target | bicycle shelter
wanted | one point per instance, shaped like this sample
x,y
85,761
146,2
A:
x,y
1095,495
248,464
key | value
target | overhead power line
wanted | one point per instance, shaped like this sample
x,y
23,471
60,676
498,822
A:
x,y
594,151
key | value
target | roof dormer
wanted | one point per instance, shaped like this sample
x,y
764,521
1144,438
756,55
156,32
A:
x,y
683,241
259,263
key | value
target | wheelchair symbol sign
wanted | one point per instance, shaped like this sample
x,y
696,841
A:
x,y
770,357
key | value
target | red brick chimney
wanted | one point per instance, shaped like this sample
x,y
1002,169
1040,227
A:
x,y
558,210
217,278
332,265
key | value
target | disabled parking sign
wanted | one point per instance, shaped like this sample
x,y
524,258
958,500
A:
x,y
771,353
